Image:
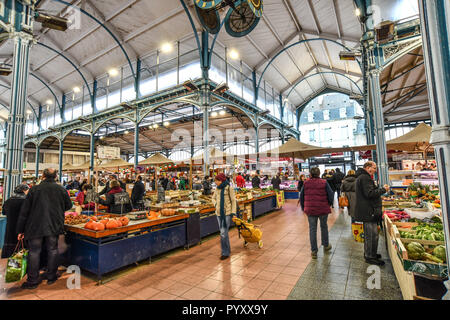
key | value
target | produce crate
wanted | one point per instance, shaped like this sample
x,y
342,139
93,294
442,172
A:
x,y
428,268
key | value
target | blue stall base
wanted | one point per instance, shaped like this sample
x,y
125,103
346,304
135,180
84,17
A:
x,y
104,255
262,206
2,230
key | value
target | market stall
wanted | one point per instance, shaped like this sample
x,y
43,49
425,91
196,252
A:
x,y
415,243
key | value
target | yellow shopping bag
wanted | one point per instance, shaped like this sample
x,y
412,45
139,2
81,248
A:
x,y
358,231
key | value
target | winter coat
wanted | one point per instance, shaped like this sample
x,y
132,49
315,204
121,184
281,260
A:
x,y
107,188
348,187
256,182
112,201
11,209
276,181
240,181
331,183
300,185
230,201
316,197
138,192
337,179
80,199
368,198
206,187
42,213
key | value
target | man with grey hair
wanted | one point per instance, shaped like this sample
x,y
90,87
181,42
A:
x,y
368,210
41,220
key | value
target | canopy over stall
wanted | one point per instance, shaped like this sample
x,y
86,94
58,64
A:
x,y
116,163
296,149
156,159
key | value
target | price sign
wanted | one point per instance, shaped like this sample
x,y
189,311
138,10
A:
x,y
105,152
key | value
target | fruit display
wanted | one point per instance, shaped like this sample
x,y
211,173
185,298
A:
x,y
106,223
153,215
75,219
168,212
417,252
73,192
397,215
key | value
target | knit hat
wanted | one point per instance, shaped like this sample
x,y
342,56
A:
x,y
221,177
21,188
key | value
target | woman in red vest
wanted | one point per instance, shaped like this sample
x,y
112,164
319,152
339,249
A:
x,y
316,198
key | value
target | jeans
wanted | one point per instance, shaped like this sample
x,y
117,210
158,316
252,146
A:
x,y
224,240
370,240
34,255
312,220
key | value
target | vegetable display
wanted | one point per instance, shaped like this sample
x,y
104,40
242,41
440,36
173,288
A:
x,y
425,231
417,252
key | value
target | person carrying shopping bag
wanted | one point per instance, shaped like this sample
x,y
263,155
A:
x,y
224,200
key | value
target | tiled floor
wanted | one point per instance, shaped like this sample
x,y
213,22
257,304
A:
x,y
343,273
270,273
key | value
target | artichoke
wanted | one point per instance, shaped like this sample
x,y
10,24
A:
x,y
415,250
439,252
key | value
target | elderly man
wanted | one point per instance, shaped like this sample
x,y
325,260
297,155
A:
x,y
41,220
369,210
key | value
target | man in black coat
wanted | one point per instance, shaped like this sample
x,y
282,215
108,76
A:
x,y
369,210
42,219
138,192
107,188
276,181
338,176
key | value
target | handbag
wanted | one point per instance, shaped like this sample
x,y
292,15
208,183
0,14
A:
x,y
343,200
16,267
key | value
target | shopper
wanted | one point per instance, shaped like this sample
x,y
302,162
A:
x,y
224,200
138,192
300,186
325,174
316,198
172,185
76,184
338,176
348,187
240,181
42,220
82,198
11,209
369,210
256,181
164,182
276,181
85,181
206,184
153,183
182,183
117,200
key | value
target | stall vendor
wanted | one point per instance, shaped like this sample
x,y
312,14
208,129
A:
x,y
82,199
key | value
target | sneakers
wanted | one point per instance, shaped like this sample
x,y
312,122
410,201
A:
x,y
377,262
224,257
314,254
327,248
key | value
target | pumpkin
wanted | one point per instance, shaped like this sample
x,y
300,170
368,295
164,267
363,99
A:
x,y
124,220
119,223
93,218
112,224
98,226
152,215
104,221
89,225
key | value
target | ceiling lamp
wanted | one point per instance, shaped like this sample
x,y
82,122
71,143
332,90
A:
x,y
49,102
155,126
234,54
102,137
113,72
222,112
5,71
28,111
52,22
214,114
76,89
357,12
166,123
126,132
166,47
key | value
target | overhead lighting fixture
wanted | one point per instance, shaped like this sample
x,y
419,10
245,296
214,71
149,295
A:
x,y
28,111
214,114
49,102
52,22
126,132
102,137
5,71
113,72
150,126
234,54
76,89
166,123
190,86
221,88
222,112
349,55
357,12
356,97
289,127
263,113
166,47
155,126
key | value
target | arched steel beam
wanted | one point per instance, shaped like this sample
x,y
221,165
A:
x,y
70,61
298,43
45,84
193,29
319,73
104,27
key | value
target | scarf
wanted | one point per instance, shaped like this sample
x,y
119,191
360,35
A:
x,y
222,187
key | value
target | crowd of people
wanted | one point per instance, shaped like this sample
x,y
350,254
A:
x,y
36,214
